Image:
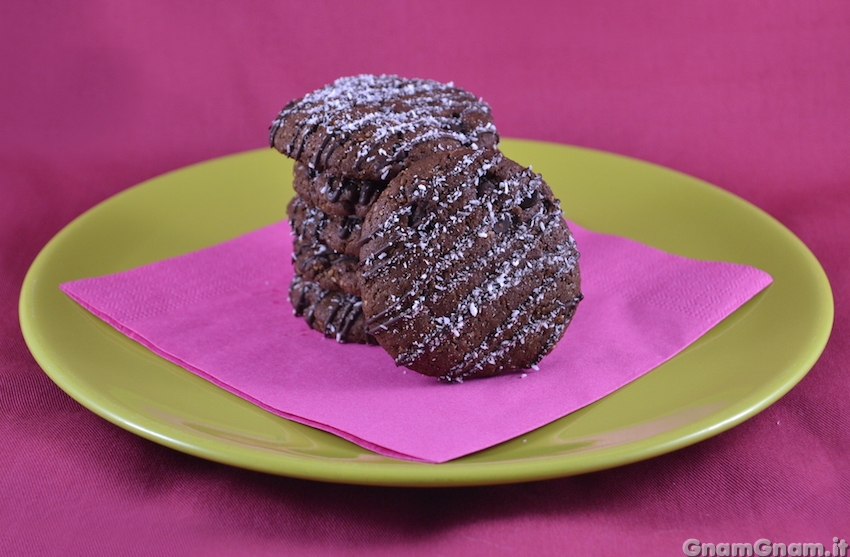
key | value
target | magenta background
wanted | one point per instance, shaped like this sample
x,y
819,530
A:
x,y
753,96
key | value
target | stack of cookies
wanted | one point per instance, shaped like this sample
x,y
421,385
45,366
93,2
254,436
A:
x,y
349,139
412,230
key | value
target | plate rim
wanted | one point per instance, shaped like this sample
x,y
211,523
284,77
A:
x,y
453,473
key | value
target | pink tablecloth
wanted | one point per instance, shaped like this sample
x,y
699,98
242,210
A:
x,y
751,96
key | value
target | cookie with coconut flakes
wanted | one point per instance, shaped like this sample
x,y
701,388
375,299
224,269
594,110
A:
x,y
369,127
315,260
467,267
335,195
333,313
311,224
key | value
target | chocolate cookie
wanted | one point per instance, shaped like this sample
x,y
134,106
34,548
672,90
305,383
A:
x,y
368,127
467,266
335,314
311,224
314,260
335,195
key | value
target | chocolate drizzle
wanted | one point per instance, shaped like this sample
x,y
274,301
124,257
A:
x,y
351,223
333,313
377,122
336,195
472,241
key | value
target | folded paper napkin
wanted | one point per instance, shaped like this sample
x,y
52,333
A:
x,y
223,313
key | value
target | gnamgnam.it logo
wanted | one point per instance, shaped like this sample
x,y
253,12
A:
x,y
764,548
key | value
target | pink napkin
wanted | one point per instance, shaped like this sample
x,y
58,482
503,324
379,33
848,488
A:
x,y
223,313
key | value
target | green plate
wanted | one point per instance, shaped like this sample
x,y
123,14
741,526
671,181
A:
x,y
736,370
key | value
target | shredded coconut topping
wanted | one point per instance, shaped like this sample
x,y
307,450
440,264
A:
x,y
379,120
445,245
